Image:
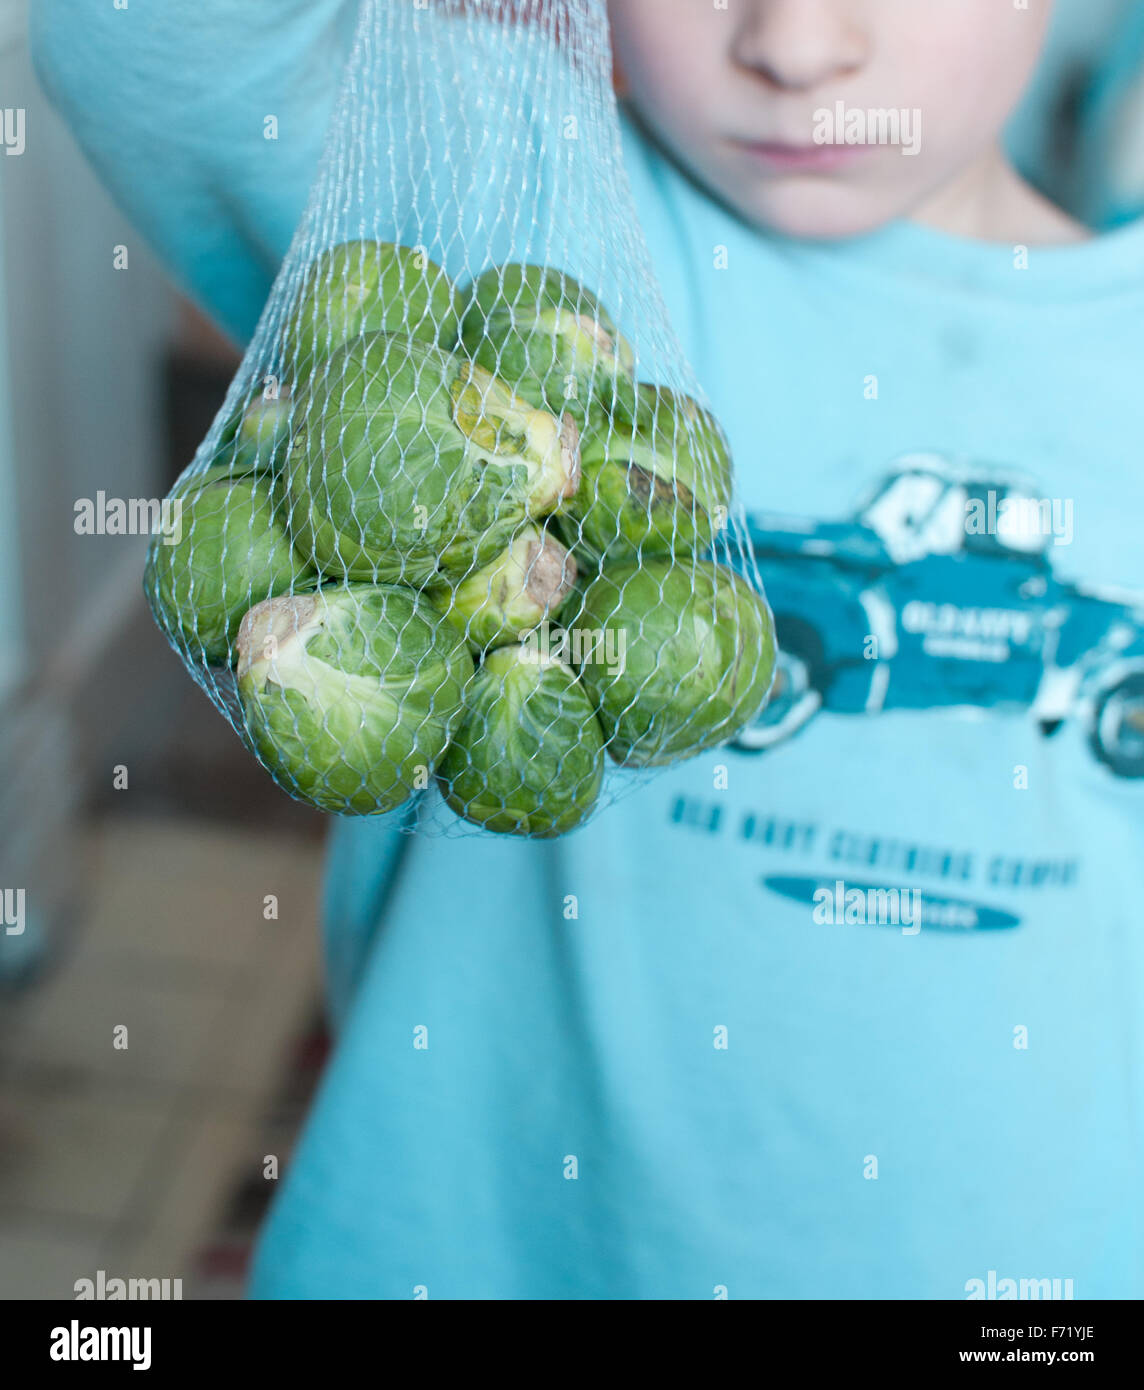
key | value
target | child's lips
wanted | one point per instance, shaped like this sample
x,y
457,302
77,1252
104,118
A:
x,y
778,157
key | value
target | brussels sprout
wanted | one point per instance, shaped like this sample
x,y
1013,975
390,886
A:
x,y
658,486
684,657
528,758
549,339
409,464
366,287
232,551
523,586
225,467
350,695
253,440
264,431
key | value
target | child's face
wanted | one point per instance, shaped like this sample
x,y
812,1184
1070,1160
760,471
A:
x,y
747,98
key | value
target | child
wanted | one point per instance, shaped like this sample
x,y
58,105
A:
x,y
849,1011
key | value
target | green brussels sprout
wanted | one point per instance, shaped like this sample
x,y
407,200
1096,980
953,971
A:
x,y
528,758
684,659
658,486
549,339
253,440
366,287
263,432
350,695
232,550
411,465
525,585
224,467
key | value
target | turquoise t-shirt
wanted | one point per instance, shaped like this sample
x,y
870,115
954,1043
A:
x,y
687,1080
682,1052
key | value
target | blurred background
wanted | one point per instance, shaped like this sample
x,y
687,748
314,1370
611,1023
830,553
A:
x,y
137,839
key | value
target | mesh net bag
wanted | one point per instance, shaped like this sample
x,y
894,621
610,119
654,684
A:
x,y
463,531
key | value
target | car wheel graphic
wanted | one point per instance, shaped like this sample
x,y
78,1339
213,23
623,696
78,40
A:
x,y
1117,732
796,696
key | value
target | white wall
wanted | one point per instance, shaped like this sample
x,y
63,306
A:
x,y
83,375
12,655
81,357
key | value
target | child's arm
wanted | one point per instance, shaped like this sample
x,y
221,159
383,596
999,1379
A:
x,y
172,104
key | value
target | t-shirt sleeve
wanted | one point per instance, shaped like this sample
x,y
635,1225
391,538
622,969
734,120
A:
x,y
205,120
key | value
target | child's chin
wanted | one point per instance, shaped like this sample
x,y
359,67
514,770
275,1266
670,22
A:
x,y
822,214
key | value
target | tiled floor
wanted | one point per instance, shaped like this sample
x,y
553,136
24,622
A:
x,y
138,1079
146,1160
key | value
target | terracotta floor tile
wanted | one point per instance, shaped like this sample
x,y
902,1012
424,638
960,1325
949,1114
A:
x,y
75,1021
83,1156
189,892
38,1261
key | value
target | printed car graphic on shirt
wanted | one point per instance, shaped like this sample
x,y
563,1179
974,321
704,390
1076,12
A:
x,y
941,592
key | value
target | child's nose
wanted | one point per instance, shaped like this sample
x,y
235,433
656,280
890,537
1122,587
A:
x,y
799,44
